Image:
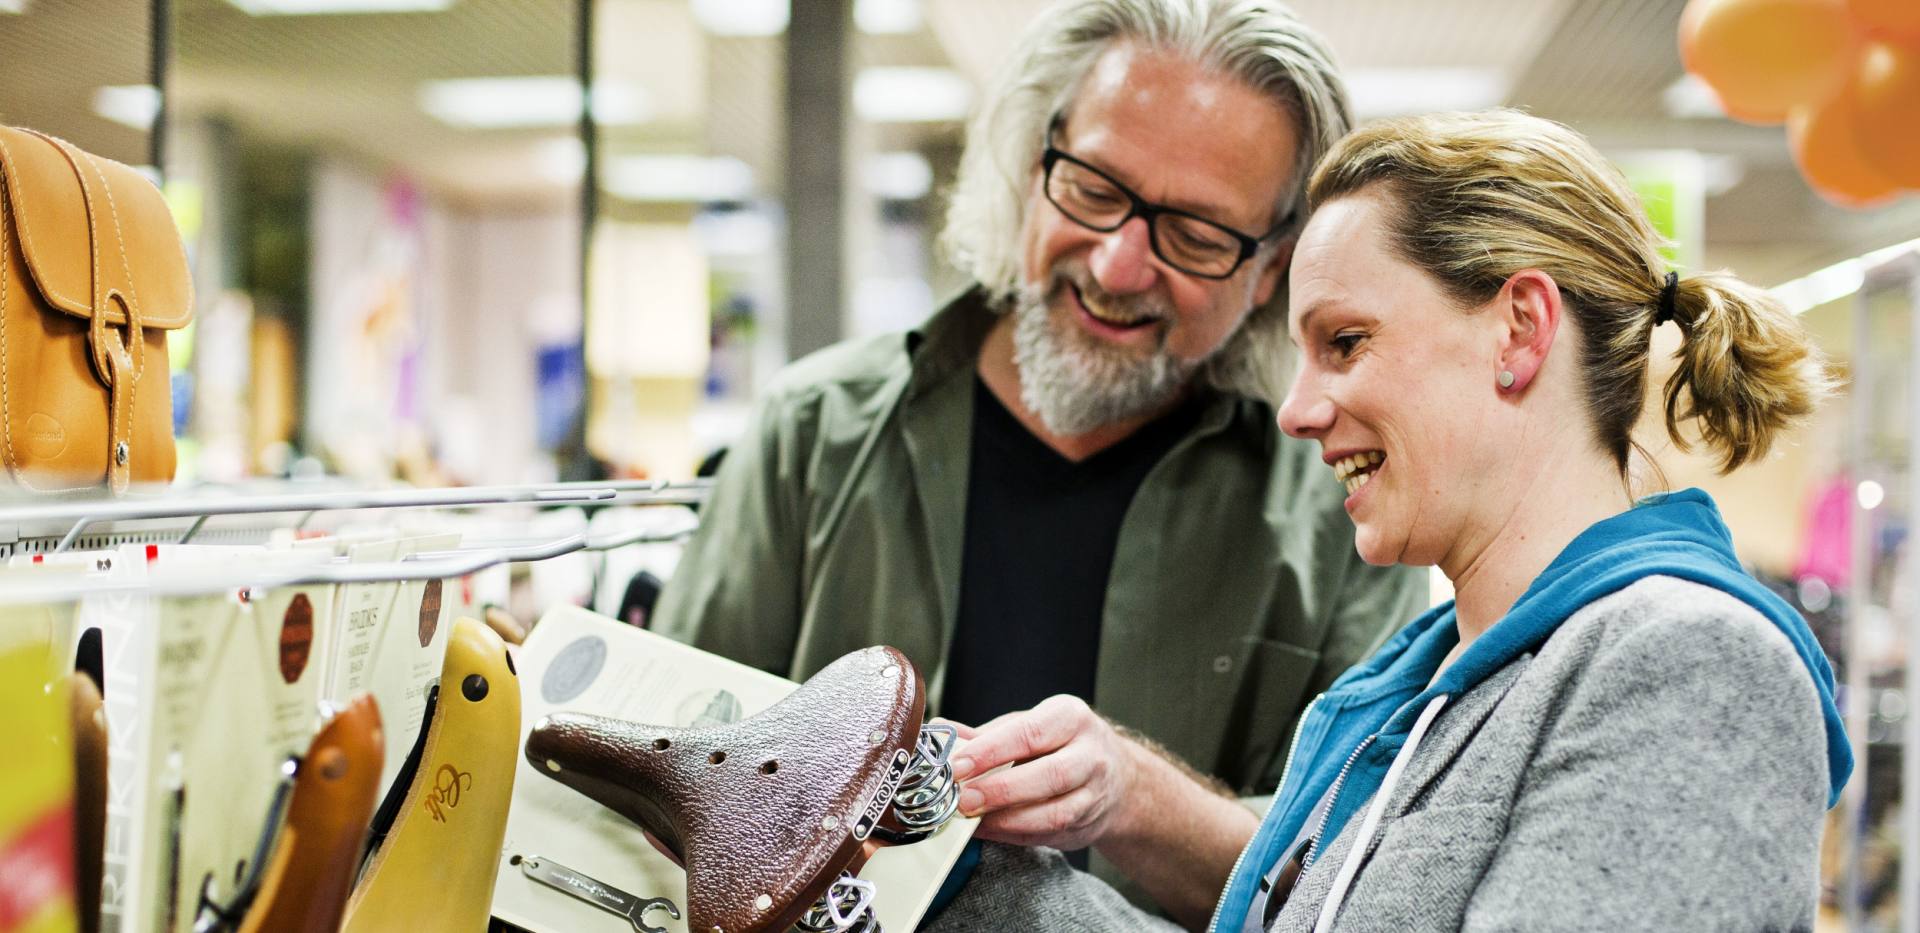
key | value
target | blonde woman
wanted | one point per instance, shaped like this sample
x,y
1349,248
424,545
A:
x,y
1612,726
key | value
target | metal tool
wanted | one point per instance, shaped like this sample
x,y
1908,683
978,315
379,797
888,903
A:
x,y
598,893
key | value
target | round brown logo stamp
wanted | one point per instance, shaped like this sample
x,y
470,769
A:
x,y
429,612
296,638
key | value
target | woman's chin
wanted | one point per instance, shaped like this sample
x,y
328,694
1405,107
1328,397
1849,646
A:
x,y
1374,549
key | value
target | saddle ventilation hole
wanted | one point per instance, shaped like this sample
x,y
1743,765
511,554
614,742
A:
x,y
661,745
717,757
769,767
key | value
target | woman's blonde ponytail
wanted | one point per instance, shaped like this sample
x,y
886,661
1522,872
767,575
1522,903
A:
x,y
1746,369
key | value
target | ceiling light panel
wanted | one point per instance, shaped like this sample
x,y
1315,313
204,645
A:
x,y
1689,98
900,176
911,95
321,7
134,105
743,17
888,17
1391,92
538,101
678,178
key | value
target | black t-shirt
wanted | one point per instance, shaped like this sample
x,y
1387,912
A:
x,y
1040,534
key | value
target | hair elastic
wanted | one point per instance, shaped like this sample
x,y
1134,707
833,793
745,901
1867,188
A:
x,y
1665,312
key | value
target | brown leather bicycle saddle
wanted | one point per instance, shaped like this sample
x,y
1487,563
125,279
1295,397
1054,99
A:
x,y
764,813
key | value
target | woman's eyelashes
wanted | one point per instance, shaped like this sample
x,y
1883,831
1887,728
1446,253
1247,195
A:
x,y
1345,344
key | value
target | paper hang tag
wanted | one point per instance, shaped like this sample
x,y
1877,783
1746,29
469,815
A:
x,y
187,682
389,639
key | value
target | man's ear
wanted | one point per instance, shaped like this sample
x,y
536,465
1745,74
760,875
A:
x,y
1529,310
1274,271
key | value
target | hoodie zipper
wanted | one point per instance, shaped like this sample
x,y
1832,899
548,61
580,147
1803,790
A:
x,y
1213,925
1333,799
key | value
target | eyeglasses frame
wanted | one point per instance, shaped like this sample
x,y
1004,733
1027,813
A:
x,y
1148,210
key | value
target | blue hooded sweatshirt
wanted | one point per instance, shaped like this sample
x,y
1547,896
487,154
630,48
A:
x,y
1364,719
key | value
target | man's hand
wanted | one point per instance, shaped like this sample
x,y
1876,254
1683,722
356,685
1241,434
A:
x,y
1072,776
1078,780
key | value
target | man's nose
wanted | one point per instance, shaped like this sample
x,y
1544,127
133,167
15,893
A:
x,y
1122,263
1306,412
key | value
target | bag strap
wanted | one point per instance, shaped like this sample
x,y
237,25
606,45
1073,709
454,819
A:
x,y
117,359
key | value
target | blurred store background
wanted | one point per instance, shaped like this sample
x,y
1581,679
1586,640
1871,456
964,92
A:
x,y
421,255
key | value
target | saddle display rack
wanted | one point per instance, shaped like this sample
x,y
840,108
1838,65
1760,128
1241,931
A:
x,y
813,785
46,591
58,528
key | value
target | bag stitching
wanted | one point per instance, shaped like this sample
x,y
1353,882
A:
x,y
114,411
6,385
119,238
6,396
26,231
119,472
102,358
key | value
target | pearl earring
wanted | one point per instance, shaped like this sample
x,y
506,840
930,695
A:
x,y
1506,379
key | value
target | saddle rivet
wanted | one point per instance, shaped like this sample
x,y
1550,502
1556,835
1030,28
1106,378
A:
x,y
553,765
875,736
120,453
762,902
830,823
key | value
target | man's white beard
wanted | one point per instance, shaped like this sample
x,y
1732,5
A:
x,y
1076,382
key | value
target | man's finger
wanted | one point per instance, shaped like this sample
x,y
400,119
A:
x,y
1040,780
1015,737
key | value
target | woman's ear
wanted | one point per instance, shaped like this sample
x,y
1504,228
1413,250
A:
x,y
1529,310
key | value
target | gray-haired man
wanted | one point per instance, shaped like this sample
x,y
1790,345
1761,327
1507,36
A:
x,y
1069,482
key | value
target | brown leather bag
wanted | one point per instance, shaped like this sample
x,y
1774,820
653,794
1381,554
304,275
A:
x,y
92,276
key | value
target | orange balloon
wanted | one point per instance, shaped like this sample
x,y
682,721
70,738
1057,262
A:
x,y
1889,18
1886,94
1823,143
1765,57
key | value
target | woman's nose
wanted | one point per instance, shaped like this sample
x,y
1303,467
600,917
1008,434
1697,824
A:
x,y
1306,412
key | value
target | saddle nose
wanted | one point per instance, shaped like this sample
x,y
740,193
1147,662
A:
x,y
620,765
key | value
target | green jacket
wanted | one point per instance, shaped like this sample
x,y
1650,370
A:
x,y
836,523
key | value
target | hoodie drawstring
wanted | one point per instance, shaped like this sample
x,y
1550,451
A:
x,y
1361,842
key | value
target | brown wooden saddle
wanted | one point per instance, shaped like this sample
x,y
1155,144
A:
x,y
766,814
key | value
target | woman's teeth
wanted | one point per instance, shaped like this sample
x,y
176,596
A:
x,y
1354,472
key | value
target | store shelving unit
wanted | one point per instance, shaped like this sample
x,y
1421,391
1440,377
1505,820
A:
x,y
1879,666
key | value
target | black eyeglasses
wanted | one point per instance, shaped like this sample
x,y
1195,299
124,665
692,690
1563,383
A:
x,y
1184,240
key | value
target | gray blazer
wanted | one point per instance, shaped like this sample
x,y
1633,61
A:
x,y
1660,764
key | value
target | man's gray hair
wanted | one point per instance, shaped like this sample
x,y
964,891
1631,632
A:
x,y
1259,42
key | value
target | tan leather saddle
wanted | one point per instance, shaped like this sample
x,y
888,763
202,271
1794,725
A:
x,y
773,814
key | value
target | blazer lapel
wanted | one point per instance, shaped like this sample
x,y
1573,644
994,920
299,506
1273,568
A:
x,y
1450,733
